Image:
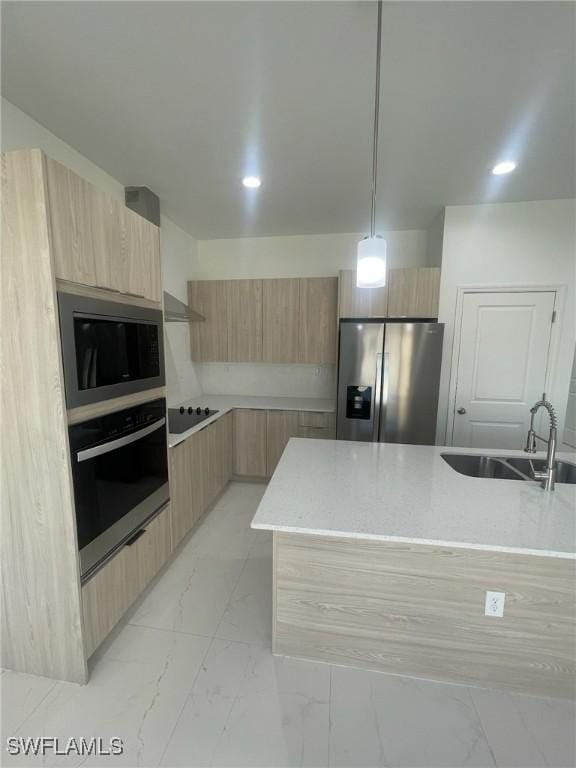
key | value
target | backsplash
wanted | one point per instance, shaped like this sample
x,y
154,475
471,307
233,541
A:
x,y
181,376
267,380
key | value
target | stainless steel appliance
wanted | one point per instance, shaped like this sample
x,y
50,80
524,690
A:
x,y
183,418
120,474
109,349
388,381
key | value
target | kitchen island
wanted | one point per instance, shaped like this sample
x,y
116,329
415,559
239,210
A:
x,y
383,555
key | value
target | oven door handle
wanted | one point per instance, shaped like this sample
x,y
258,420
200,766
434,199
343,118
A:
x,y
98,450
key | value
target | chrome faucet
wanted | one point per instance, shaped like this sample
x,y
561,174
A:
x,y
548,476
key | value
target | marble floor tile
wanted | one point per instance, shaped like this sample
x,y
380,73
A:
x,y
191,599
248,615
528,732
136,692
250,708
20,695
383,720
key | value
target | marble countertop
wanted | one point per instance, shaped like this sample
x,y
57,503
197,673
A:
x,y
409,494
225,403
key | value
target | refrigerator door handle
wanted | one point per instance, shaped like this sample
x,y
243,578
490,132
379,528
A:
x,y
377,397
384,396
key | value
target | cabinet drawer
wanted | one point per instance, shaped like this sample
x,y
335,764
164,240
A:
x,y
316,419
317,433
107,596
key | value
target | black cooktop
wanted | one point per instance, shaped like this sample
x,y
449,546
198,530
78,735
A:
x,y
182,419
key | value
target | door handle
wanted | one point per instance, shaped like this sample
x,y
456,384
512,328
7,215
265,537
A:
x,y
461,411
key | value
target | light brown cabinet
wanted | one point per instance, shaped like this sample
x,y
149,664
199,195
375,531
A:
x,y
318,319
360,302
250,443
413,292
209,339
108,595
245,326
99,242
281,426
281,320
317,425
200,468
186,486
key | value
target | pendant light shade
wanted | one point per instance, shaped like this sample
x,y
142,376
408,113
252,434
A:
x,y
371,263
371,253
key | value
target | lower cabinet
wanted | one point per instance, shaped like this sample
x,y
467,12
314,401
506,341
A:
x,y
200,468
250,443
281,426
316,424
109,594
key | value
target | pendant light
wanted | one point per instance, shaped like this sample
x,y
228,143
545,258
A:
x,y
371,251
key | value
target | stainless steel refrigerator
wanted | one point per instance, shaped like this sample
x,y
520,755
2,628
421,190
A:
x,y
388,381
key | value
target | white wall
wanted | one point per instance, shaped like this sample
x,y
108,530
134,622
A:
x,y
530,243
20,131
435,240
568,439
299,256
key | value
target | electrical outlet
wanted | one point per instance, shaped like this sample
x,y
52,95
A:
x,y
494,605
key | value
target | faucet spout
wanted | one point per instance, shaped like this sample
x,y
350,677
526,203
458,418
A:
x,y
548,476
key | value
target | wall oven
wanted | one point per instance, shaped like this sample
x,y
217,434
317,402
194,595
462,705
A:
x,y
120,475
109,349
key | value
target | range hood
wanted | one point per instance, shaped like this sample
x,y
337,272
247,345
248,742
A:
x,y
175,311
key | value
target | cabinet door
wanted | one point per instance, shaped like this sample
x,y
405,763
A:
x,y
70,199
244,299
225,447
281,426
186,492
413,292
281,317
360,302
208,465
318,319
250,443
427,292
107,596
141,266
209,339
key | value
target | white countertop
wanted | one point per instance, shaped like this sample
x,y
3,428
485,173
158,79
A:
x,y
225,403
409,494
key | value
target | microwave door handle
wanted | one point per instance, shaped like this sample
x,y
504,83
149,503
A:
x,y
99,450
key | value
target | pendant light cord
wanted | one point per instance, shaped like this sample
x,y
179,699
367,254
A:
x,y
376,114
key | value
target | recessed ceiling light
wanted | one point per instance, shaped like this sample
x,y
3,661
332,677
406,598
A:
x,y
251,182
506,166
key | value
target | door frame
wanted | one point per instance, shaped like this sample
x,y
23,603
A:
x,y
553,348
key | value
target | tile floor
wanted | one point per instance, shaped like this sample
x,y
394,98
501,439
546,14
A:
x,y
189,680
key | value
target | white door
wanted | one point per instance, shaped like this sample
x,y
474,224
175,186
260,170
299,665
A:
x,y
502,366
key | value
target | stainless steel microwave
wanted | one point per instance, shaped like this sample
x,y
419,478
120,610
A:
x,y
109,349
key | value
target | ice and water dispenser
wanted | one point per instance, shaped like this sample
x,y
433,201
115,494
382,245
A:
x,y
358,402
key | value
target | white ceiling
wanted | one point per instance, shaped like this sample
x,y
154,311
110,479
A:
x,y
187,97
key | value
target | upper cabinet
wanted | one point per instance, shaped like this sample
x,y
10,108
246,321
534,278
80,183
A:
x,y
271,321
413,292
281,318
99,242
209,338
360,302
245,315
318,319
408,293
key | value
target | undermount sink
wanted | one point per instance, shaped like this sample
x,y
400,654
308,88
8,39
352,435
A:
x,y
481,466
506,467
